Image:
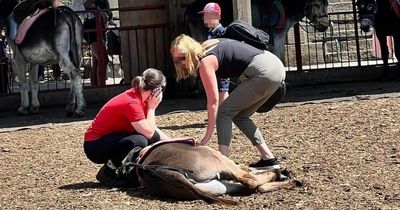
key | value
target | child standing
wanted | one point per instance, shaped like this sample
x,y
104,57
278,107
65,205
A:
x,y
211,17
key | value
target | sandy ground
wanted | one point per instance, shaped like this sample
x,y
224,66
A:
x,y
344,149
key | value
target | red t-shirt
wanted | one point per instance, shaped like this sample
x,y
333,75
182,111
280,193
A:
x,y
117,115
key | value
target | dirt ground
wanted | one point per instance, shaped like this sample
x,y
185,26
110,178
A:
x,y
346,152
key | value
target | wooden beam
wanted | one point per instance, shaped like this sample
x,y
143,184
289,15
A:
x,y
173,14
242,10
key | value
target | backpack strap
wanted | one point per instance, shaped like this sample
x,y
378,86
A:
x,y
210,47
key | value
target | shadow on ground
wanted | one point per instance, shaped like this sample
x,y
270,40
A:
x,y
132,192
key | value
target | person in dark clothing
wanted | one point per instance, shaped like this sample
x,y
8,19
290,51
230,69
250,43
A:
x,y
90,37
260,72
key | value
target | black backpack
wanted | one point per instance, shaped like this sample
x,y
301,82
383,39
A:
x,y
242,31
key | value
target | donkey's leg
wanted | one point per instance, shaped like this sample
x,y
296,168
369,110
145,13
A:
x,y
33,81
217,188
228,167
272,186
279,37
21,68
167,183
75,98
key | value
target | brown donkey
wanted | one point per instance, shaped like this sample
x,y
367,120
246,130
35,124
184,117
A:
x,y
186,172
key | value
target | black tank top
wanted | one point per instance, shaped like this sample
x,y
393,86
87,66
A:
x,y
233,57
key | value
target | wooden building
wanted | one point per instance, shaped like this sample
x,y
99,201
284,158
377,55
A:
x,y
147,28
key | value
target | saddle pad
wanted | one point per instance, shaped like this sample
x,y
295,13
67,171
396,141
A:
x,y
26,24
147,150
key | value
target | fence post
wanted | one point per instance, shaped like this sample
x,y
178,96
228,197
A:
x,y
297,41
356,32
242,10
174,23
101,52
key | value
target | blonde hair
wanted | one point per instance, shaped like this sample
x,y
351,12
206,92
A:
x,y
151,78
193,51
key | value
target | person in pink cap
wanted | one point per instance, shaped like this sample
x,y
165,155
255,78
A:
x,y
211,17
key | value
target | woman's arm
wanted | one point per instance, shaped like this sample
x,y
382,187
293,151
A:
x,y
208,66
148,127
163,136
144,127
148,130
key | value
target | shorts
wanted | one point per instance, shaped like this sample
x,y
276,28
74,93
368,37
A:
x,y
223,84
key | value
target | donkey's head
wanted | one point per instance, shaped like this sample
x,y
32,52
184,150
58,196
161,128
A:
x,y
317,13
366,11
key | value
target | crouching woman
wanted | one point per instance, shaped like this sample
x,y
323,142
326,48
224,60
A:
x,y
125,122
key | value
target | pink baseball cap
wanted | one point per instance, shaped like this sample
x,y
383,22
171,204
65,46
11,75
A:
x,y
212,7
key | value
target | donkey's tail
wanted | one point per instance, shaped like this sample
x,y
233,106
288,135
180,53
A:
x,y
177,179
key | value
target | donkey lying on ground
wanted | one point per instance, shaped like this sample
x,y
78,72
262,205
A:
x,y
180,170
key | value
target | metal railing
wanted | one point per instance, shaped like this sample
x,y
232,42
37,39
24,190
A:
x,y
343,45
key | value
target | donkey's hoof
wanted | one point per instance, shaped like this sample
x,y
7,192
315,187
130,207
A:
x,y
78,114
74,114
34,110
297,183
22,111
69,113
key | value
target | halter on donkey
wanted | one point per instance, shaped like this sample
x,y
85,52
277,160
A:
x,y
53,38
384,15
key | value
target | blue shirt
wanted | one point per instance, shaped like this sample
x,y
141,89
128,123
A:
x,y
216,32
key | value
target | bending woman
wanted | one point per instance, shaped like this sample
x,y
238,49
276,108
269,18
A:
x,y
261,73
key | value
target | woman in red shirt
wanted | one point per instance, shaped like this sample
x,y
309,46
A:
x,y
124,123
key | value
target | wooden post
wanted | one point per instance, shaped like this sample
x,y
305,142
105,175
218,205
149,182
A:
x,y
299,59
242,10
173,15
